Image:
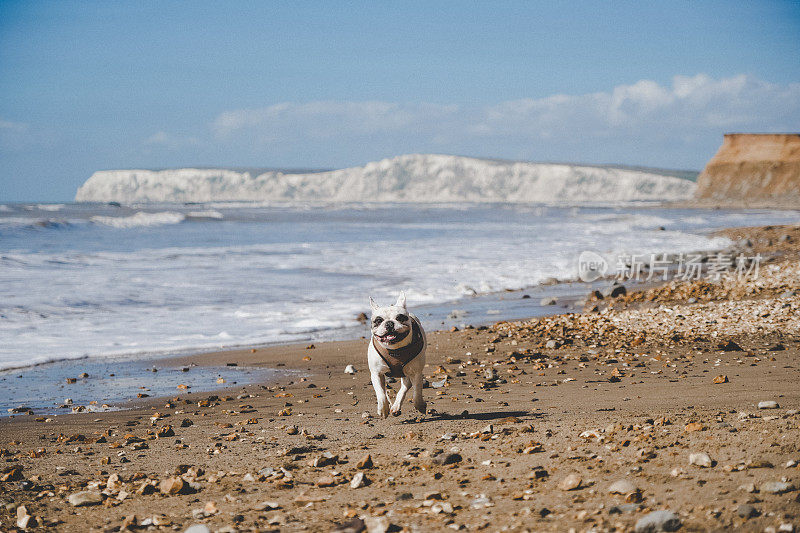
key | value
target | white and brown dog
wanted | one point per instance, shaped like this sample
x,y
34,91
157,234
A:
x,y
397,348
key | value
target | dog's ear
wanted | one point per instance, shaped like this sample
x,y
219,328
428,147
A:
x,y
373,305
401,300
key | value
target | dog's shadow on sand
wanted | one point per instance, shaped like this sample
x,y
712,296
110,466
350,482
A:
x,y
491,415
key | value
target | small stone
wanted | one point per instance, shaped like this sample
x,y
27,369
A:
x,y
359,480
356,525
210,508
266,506
23,518
693,426
365,463
84,498
748,487
349,369
623,486
658,521
165,431
185,423
197,528
173,485
730,346
776,487
377,524
700,459
145,488
624,508
571,482
720,379
326,459
617,291
325,481
446,458
768,404
747,511
130,522
548,301
551,344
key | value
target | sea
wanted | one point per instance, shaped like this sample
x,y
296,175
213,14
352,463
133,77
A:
x,y
98,280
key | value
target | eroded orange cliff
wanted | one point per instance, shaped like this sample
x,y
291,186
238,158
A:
x,y
756,169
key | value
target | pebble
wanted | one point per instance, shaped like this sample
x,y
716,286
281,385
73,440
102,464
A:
x,y
23,518
747,511
359,480
624,508
197,528
548,301
86,497
748,487
173,485
700,459
365,462
349,369
266,506
571,482
776,487
768,404
658,521
325,481
377,524
623,486
446,458
356,525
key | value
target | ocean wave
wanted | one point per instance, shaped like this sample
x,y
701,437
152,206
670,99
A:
x,y
49,207
141,219
210,213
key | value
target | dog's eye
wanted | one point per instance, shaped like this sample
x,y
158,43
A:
x,y
401,318
377,321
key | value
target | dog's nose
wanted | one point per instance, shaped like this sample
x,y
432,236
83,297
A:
x,y
389,324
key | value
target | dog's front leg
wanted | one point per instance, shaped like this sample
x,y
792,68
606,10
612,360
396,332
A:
x,y
379,384
405,384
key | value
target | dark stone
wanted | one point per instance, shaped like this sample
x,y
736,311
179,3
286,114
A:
x,y
356,525
446,458
730,346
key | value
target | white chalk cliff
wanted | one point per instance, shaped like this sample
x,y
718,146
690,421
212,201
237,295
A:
x,y
406,178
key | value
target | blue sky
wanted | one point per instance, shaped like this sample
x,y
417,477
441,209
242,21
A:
x,y
98,85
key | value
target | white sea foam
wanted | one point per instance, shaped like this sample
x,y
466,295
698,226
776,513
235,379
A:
x,y
50,207
210,213
408,178
140,219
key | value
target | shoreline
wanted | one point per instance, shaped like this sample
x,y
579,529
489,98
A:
x,y
536,421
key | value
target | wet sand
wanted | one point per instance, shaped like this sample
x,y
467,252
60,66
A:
x,y
533,423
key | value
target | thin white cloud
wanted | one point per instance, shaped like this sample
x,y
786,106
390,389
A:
x,y
14,135
689,107
171,141
328,119
9,126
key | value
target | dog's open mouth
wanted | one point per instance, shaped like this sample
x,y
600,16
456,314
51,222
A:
x,y
393,337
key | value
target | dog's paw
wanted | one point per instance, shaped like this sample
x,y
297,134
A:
x,y
383,410
395,411
422,407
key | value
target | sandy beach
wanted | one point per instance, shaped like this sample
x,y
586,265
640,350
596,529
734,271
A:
x,y
680,399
